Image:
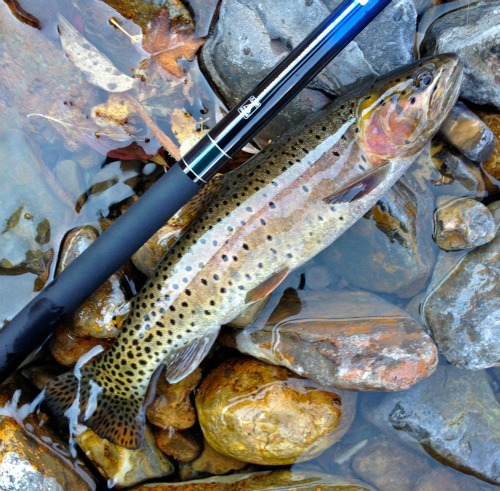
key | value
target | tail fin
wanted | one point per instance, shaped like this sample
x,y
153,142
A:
x,y
120,420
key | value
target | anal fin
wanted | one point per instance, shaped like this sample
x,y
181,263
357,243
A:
x,y
360,187
181,362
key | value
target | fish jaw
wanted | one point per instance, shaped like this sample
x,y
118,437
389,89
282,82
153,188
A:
x,y
398,116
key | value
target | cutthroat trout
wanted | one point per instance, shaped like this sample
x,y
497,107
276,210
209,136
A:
x,y
270,216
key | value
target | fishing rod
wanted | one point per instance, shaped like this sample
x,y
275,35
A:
x,y
35,322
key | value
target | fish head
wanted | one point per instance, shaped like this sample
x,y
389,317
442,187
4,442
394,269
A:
x,y
407,107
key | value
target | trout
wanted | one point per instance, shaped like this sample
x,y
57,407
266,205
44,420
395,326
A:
x,y
270,216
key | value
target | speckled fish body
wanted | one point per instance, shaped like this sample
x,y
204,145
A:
x,y
270,216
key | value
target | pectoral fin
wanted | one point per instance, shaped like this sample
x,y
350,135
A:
x,y
267,287
180,363
359,188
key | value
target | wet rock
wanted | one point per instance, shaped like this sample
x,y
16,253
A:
x,y
388,465
67,348
390,249
462,304
263,414
472,33
492,165
454,416
458,175
446,172
393,467
181,446
171,406
123,467
216,463
269,480
32,457
240,53
349,340
461,223
96,316
252,36
468,133
441,479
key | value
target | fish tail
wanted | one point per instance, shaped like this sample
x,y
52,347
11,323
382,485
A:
x,y
121,420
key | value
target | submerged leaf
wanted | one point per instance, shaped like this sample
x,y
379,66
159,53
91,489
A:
x,y
97,68
167,47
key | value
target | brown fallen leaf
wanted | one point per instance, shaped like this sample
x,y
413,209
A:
x,y
167,46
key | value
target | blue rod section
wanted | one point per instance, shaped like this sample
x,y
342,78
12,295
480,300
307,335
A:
x,y
35,322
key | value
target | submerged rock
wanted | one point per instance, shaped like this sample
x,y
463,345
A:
x,y
453,414
391,466
32,457
446,172
96,321
215,462
264,414
468,133
390,249
269,480
181,446
462,307
171,406
252,36
461,223
472,33
492,165
349,340
123,467
458,175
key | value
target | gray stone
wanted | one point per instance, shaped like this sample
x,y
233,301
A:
x,y
252,36
462,307
461,223
473,33
453,414
391,249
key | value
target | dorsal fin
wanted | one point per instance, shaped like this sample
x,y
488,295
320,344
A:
x,y
360,187
267,287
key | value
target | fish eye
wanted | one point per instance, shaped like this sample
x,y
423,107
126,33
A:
x,y
423,79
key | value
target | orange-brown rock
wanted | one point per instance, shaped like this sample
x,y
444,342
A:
x,y
346,339
67,348
181,446
31,455
171,406
94,318
123,467
461,223
264,414
279,480
492,165
466,132
214,462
